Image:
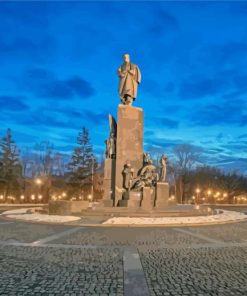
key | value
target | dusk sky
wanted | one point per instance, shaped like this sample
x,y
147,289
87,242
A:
x,y
58,65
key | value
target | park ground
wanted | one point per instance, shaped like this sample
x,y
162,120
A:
x,y
45,259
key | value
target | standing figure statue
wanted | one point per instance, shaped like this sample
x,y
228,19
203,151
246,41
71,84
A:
x,y
130,77
110,147
128,173
146,158
163,163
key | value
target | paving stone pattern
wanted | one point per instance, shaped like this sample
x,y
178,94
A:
x,y
138,237
236,232
175,261
45,271
206,271
25,232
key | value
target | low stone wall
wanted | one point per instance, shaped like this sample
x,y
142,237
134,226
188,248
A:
x,y
65,207
59,207
78,206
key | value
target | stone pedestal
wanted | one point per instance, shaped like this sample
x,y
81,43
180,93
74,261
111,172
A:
x,y
134,200
147,203
162,195
129,144
109,181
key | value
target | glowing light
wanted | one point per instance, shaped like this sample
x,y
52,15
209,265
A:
x,y
38,181
22,197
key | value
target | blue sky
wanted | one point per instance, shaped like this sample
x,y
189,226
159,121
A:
x,y
58,64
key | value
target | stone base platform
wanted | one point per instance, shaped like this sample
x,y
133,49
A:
x,y
169,211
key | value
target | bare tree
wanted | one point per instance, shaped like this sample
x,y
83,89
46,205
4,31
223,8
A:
x,y
186,158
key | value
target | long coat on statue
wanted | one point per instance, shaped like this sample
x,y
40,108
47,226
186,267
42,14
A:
x,y
130,77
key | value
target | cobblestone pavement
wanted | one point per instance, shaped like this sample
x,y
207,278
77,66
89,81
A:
x,y
205,271
26,232
236,232
62,260
153,237
46,271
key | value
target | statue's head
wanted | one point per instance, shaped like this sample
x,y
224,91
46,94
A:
x,y
126,57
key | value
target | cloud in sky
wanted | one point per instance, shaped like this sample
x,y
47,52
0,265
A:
x,y
59,61
225,113
13,103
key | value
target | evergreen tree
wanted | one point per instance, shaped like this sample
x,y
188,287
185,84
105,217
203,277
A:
x,y
82,164
10,168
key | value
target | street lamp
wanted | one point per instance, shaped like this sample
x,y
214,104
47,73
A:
x,y
193,198
38,181
33,197
197,194
209,192
92,177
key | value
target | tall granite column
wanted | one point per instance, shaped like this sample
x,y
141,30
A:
x,y
129,144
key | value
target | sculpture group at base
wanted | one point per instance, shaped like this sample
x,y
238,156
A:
x,y
130,177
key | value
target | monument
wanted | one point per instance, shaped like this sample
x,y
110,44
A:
x,y
130,178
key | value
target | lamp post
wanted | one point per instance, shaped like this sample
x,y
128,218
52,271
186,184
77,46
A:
x,y
92,196
197,194
209,192
22,197
33,197
38,182
225,196
194,199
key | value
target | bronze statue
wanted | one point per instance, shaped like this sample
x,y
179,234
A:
x,y
110,143
147,178
163,162
130,77
146,158
110,147
113,125
128,173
